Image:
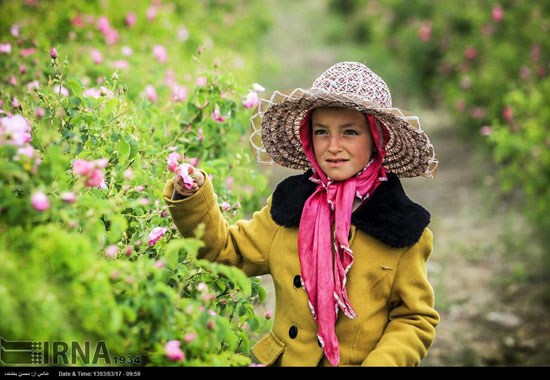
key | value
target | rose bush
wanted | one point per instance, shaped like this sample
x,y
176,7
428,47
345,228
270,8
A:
x,y
87,246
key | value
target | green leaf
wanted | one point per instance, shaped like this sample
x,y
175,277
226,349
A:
x,y
123,148
75,86
172,252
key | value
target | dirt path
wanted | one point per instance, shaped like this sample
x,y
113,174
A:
x,y
491,314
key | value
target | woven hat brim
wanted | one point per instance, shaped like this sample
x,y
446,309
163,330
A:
x,y
275,136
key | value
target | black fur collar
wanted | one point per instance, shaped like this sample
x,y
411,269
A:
x,y
388,215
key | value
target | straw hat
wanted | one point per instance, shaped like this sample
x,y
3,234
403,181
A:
x,y
275,127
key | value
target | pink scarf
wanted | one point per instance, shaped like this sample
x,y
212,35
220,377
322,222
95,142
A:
x,y
331,204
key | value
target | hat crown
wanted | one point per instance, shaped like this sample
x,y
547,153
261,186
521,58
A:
x,y
356,79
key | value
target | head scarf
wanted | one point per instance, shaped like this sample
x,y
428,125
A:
x,y
325,256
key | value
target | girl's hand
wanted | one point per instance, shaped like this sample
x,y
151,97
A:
x,y
182,188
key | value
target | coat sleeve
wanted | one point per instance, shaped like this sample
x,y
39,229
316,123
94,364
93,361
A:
x,y
246,244
412,317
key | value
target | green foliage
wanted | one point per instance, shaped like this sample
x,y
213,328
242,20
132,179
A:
x,y
83,264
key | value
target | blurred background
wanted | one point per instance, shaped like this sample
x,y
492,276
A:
x,y
475,72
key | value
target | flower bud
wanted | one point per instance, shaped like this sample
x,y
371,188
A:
x,y
53,53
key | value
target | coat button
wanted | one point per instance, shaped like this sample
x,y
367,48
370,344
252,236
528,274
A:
x,y
293,332
298,281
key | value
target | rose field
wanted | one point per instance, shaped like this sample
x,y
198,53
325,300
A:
x,y
103,101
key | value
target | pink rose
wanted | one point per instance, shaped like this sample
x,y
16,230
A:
x,y
111,251
151,93
216,115
160,54
26,150
173,161
185,171
40,201
53,53
68,197
268,314
39,112
5,48
229,183
121,64
14,130
201,81
188,338
156,234
151,13
127,51
173,351
425,33
57,89
251,100
508,113
258,88
96,55
103,24
96,179
179,93
485,130
130,19
497,13
128,174
470,52
83,167
225,206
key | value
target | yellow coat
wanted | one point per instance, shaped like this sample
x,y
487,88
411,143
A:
x,y
387,284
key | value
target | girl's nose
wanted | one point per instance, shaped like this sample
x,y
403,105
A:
x,y
334,144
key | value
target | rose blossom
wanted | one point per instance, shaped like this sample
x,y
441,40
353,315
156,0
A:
x,y
111,251
160,54
96,179
96,55
68,197
225,206
173,351
40,201
14,130
179,93
497,13
188,338
151,93
127,51
251,100
173,159
130,19
508,113
40,113
258,88
185,171
5,48
57,89
201,81
156,234
219,118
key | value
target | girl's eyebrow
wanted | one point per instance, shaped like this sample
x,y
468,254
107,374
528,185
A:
x,y
345,125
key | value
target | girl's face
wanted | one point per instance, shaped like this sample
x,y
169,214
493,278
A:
x,y
342,141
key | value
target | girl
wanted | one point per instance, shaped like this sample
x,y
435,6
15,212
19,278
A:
x,y
346,248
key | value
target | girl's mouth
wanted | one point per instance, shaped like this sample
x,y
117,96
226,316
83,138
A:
x,y
334,163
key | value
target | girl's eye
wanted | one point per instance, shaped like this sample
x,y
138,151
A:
x,y
350,132
319,132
